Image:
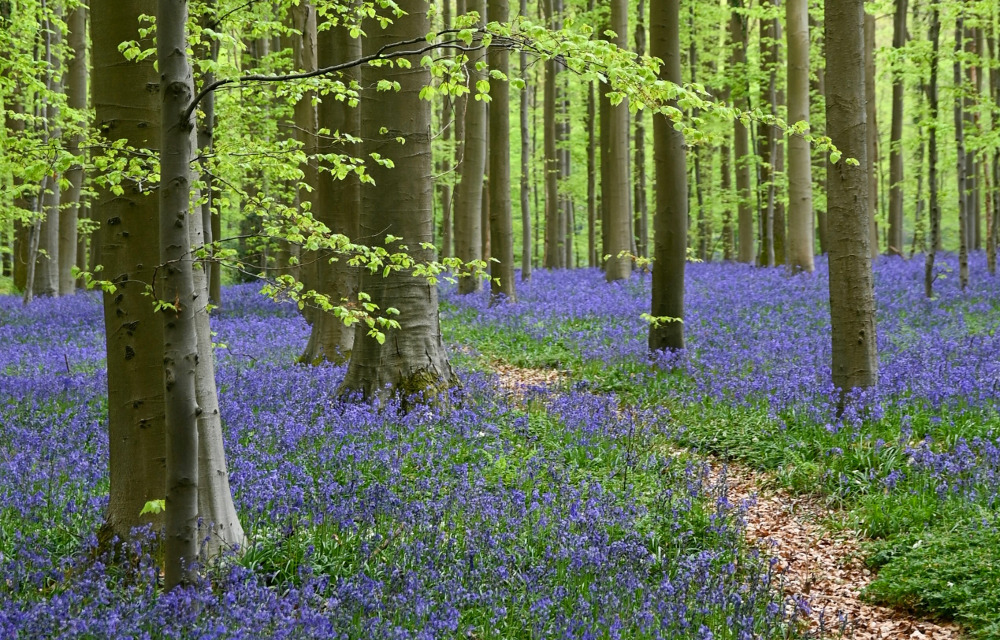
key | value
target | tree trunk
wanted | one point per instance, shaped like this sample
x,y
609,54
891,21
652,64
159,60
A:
x,y
211,222
303,16
76,98
770,33
993,194
741,138
639,197
852,302
338,203
962,171
554,226
526,247
501,217
670,219
800,214
127,110
46,280
617,187
592,258
412,360
444,170
469,193
932,156
872,128
896,137
176,287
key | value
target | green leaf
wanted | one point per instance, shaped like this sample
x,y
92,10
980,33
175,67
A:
x,y
153,506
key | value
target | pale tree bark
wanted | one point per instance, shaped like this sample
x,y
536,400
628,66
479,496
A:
x,y
526,246
616,189
852,301
501,217
338,203
469,193
127,110
176,285
413,359
818,81
76,98
670,219
741,137
22,237
639,197
592,258
555,253
303,17
444,169
932,156
211,222
46,280
770,34
871,117
962,172
896,174
800,215
993,194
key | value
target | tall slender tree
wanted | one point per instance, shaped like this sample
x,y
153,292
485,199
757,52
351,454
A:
x,y
896,136
932,155
852,301
501,218
741,133
670,219
338,201
800,213
469,244
526,93
615,190
76,99
411,360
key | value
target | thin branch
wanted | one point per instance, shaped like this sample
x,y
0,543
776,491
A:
x,y
382,54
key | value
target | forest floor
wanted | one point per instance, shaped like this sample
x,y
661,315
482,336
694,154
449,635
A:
x,y
817,563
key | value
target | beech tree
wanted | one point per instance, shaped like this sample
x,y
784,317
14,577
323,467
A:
x,y
670,217
411,360
800,213
852,300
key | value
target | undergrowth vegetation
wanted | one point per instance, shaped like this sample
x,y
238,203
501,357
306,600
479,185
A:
x,y
562,513
914,464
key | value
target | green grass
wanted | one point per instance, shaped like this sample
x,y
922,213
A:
x,y
935,556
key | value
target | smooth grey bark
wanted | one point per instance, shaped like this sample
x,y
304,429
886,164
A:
x,y
592,258
872,112
993,194
932,156
303,16
852,301
767,141
46,277
526,246
175,285
641,208
126,109
616,189
413,359
896,174
800,214
338,202
741,137
555,252
670,218
962,172
469,193
211,222
444,168
76,98
501,216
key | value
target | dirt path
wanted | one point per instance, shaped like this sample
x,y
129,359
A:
x,y
822,567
